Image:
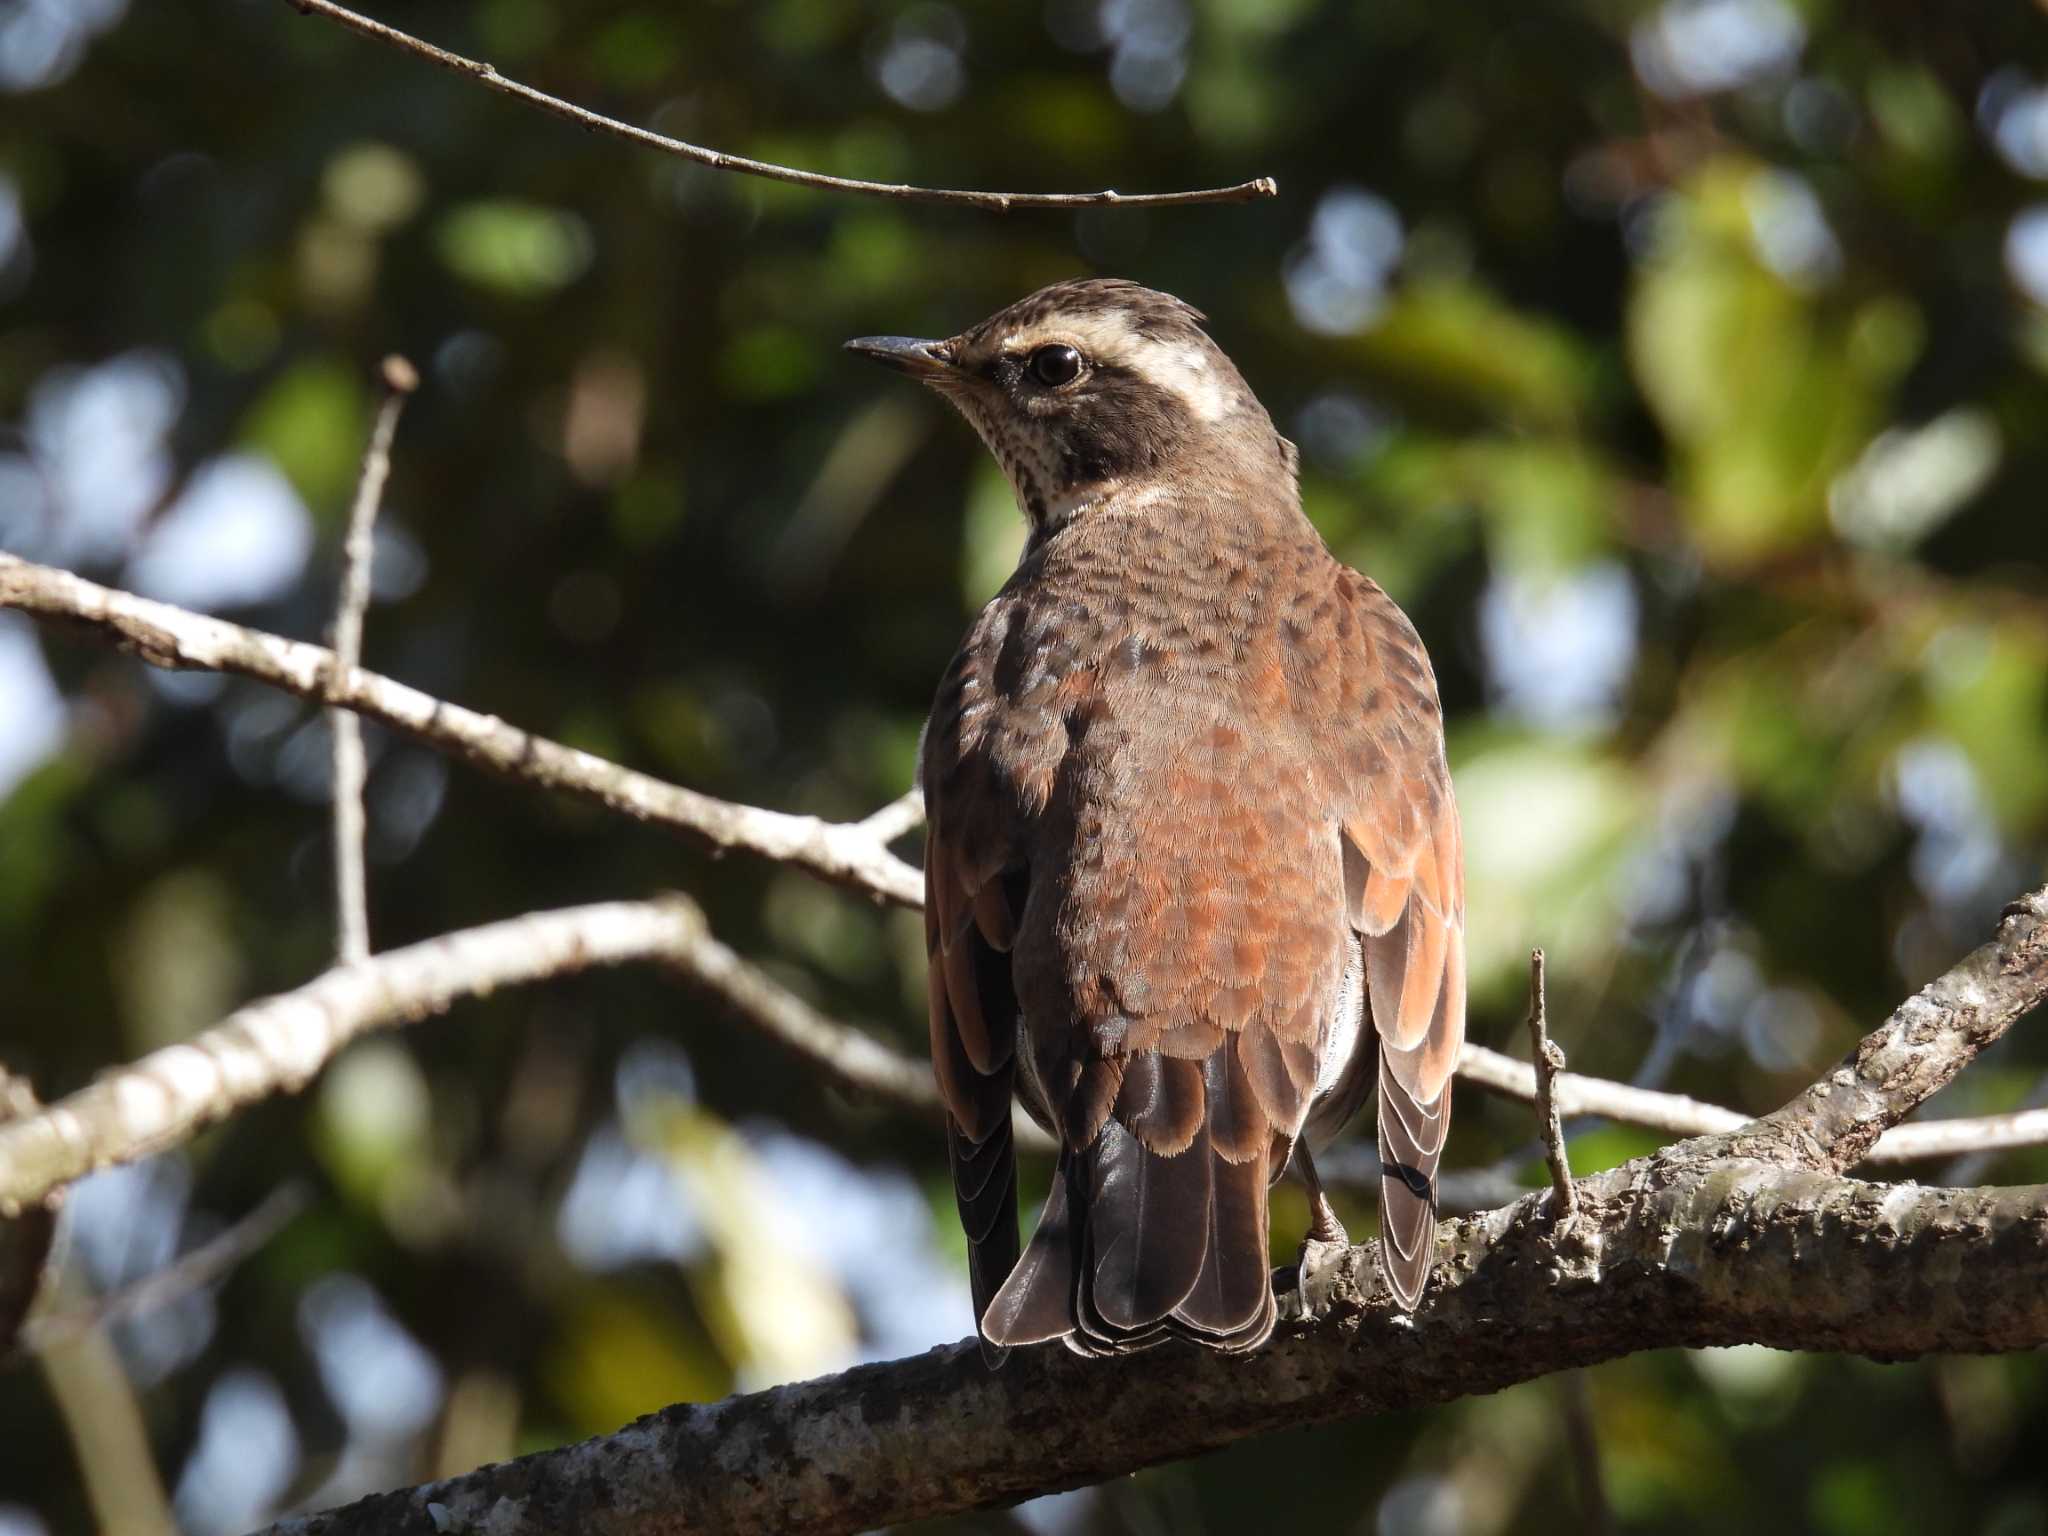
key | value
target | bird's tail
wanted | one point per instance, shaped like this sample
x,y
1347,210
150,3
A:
x,y
1147,1236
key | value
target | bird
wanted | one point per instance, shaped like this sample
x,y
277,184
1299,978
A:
x,y
1193,871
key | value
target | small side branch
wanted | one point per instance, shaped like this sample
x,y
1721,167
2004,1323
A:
x,y
351,891
1000,202
177,638
855,1061
1915,1053
1549,1059
901,815
1678,1115
204,1265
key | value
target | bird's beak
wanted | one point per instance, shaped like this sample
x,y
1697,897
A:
x,y
906,354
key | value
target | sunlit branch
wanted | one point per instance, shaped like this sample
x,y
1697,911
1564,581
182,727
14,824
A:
x,y
277,1045
170,637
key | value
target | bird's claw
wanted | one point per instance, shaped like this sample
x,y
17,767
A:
x,y
1317,1272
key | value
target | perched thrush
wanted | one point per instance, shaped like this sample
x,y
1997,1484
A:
x,y
1192,877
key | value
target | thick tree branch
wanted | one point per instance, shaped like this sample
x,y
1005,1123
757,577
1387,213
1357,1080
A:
x,y
175,638
1916,1052
1703,1244
718,160
1672,1251
853,854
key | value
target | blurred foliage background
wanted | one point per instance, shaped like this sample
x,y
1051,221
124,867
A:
x,y
1682,368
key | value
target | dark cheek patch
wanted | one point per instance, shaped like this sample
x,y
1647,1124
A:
x,y
1124,426
1116,424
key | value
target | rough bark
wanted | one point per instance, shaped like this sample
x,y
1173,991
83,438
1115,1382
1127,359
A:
x,y
1676,1250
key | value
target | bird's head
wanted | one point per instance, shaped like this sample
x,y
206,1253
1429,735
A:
x,y
1093,387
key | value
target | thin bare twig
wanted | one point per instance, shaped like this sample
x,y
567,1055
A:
x,y
1549,1058
205,1264
1001,202
351,893
1678,1115
1582,1435
855,1061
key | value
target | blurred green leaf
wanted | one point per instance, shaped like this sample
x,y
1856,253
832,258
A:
x,y
1453,339
312,422
616,1356
517,249
1765,391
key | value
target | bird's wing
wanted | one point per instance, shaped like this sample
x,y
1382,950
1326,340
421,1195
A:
x,y
1405,885
971,910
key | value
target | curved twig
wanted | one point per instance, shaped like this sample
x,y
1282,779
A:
x,y
1000,202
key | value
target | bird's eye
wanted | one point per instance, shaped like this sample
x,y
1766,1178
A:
x,y
1054,365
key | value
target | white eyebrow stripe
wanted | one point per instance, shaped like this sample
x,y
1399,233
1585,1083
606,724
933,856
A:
x,y
1186,370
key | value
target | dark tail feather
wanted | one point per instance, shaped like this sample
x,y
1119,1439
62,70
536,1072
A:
x,y
1036,1304
985,1187
1135,1246
1411,1135
1231,1305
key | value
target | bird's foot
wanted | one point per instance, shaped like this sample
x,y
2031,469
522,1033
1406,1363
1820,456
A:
x,y
1321,1261
1323,1225
1317,1273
